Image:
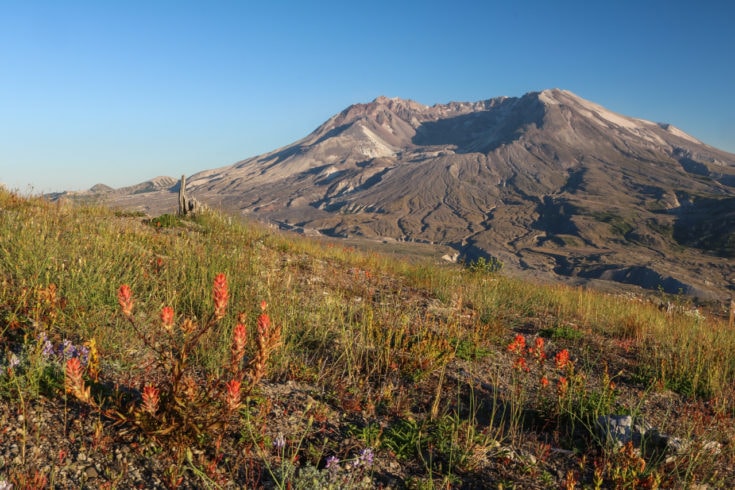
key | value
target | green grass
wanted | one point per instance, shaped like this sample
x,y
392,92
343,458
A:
x,y
392,351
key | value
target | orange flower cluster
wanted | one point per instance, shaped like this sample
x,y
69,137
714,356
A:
x,y
232,395
538,351
521,364
237,348
518,345
561,359
167,317
74,381
562,386
150,399
221,295
125,298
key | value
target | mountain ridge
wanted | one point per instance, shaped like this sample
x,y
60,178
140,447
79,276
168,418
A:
x,y
550,183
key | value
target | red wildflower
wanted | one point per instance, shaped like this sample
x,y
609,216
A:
x,y
221,295
264,325
518,344
521,364
263,305
561,359
544,382
239,338
562,385
237,349
125,298
167,317
232,396
73,381
150,399
538,350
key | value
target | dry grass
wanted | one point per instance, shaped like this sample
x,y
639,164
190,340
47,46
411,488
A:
x,y
407,360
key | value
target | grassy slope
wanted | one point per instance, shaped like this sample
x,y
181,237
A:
x,y
410,360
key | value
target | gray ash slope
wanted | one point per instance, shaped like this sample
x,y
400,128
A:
x,y
551,184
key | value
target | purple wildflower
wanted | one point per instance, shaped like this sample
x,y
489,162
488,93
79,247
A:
x,y
333,463
48,350
279,442
366,456
83,353
13,362
68,350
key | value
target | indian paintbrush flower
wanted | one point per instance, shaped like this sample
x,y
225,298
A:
x,y
125,298
518,344
73,380
561,359
232,396
520,364
562,386
538,350
167,317
263,324
237,349
221,295
150,399
239,338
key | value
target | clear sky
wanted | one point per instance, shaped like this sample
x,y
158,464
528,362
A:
x,y
118,92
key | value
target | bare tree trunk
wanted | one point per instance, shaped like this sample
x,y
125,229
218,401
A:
x,y
183,205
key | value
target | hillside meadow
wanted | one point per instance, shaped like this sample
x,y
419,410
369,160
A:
x,y
209,352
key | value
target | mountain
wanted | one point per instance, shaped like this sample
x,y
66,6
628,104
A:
x,y
161,184
549,183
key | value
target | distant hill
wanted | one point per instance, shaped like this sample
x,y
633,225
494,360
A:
x,y
551,184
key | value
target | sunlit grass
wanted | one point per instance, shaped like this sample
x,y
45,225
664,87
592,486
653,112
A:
x,y
376,335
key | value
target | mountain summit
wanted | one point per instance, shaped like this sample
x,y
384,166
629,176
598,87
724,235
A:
x,y
550,183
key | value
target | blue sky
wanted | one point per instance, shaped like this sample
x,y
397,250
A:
x,y
119,92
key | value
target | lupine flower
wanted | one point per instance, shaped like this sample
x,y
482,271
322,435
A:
x,y
48,350
125,298
232,397
518,344
68,350
83,354
279,442
366,457
561,359
150,399
332,463
167,317
221,295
